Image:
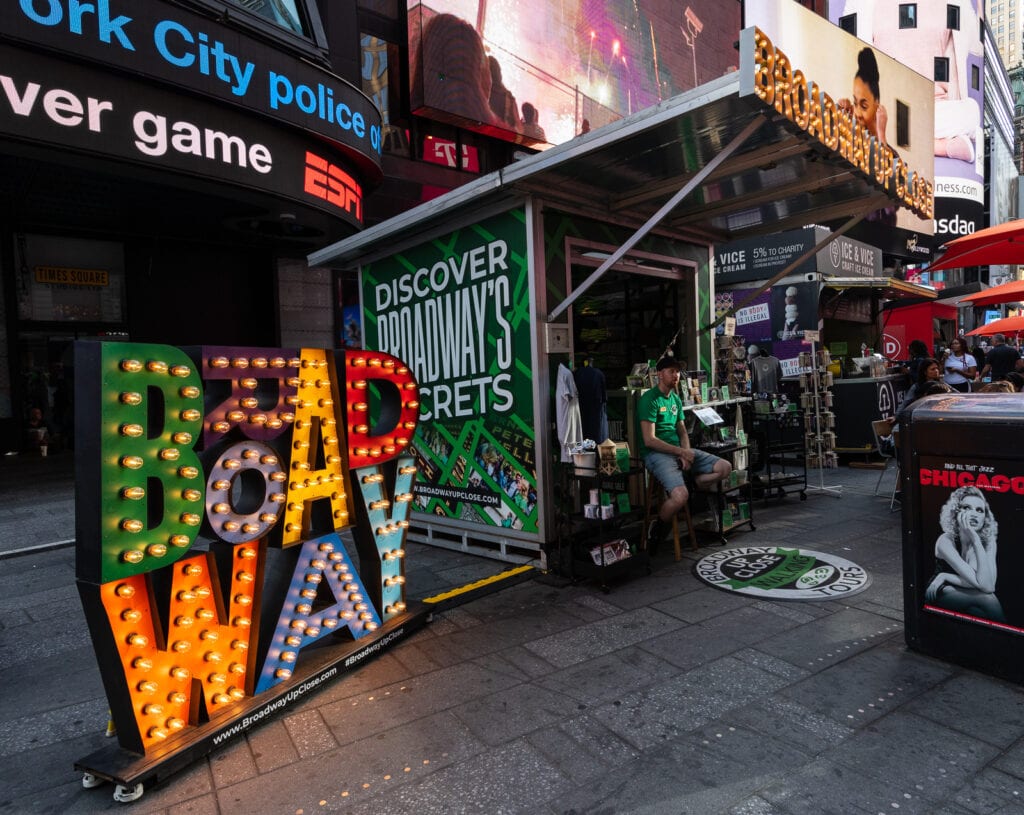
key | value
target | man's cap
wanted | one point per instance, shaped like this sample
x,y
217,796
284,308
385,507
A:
x,y
668,362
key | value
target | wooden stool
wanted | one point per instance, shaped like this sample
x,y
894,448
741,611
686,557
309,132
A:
x,y
650,510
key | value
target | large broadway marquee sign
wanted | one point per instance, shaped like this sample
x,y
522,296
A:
x,y
236,541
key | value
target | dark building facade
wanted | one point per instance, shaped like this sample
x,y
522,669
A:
x,y
164,168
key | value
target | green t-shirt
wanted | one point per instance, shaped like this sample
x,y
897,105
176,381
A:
x,y
664,412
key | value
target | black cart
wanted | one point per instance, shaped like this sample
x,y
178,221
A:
x,y
962,474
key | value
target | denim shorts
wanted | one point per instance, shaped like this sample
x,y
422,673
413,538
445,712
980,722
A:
x,y
666,467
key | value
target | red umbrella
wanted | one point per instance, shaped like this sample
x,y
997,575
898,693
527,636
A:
x,y
1007,325
995,245
1010,292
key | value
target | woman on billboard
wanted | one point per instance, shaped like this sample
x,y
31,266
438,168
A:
x,y
919,35
866,107
965,557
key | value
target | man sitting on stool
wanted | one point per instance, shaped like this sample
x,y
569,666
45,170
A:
x,y
666,451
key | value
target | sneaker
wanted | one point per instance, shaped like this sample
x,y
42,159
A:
x,y
655,534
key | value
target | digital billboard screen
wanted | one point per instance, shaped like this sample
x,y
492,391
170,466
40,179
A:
x,y
879,99
942,42
540,72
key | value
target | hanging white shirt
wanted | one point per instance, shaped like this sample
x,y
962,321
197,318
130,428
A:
x,y
567,412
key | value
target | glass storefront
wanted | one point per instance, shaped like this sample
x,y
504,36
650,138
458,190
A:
x,y
65,289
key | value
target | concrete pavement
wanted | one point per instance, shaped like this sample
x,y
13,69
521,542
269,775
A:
x,y
37,501
663,696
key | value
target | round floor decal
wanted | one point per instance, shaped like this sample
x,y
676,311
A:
x,y
778,573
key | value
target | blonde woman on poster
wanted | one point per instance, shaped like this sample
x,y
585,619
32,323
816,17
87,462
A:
x,y
965,557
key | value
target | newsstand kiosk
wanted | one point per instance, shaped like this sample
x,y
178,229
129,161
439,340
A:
x,y
963,487
481,289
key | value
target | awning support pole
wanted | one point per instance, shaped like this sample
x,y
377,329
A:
x,y
880,202
657,217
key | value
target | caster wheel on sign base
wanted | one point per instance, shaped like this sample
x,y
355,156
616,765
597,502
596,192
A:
x,y
125,795
89,781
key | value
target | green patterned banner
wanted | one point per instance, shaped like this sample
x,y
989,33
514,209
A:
x,y
457,310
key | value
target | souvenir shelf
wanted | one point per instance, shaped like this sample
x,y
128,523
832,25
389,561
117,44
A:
x,y
602,539
731,502
816,400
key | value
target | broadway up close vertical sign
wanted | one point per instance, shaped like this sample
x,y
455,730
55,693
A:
x,y
458,309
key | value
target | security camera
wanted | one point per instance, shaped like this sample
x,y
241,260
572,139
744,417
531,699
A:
x,y
693,21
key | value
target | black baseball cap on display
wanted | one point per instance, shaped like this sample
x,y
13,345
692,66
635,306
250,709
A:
x,y
668,362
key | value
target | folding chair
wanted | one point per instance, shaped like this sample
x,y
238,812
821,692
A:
x,y
879,429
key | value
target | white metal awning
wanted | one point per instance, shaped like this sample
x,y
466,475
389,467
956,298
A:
x,y
775,178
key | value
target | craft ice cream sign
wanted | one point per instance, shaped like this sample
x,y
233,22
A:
x,y
212,485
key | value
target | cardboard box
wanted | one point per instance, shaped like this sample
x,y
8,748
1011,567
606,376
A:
x,y
606,457
585,463
622,456
614,551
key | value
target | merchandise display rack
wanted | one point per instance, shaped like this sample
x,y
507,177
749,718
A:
x,y
731,369
819,420
730,502
782,452
599,546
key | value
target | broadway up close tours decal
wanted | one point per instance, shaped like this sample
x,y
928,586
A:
x,y
778,573
236,543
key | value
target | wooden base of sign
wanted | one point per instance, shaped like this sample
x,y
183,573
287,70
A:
x,y
323,665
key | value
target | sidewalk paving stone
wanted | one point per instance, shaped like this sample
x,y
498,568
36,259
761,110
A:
x,y
552,698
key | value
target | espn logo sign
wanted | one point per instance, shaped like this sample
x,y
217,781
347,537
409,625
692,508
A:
x,y
334,185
